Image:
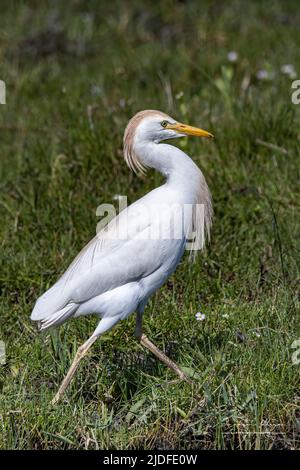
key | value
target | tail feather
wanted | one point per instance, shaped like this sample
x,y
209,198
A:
x,y
58,317
54,299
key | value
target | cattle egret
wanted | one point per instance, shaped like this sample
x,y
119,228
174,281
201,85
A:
x,y
129,259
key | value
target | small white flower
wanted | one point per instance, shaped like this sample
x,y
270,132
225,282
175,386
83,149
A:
x,y
262,75
289,69
256,333
200,316
179,95
232,56
96,90
122,103
225,315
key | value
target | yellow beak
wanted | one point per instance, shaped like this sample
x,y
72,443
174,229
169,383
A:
x,y
188,130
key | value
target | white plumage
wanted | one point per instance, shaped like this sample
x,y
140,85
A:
x,y
117,272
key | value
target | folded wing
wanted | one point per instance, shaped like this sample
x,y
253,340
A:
x,y
122,253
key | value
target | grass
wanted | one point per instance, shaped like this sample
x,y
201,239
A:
x,y
57,165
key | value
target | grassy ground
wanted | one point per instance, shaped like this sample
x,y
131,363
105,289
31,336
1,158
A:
x,y
75,74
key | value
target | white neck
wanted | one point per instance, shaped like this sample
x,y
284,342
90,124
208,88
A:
x,y
184,178
178,168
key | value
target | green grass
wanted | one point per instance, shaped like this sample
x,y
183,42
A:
x,y
57,166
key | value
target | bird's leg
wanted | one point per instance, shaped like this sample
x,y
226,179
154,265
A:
x,y
156,351
81,352
165,359
138,326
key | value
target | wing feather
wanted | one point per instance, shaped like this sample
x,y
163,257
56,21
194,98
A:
x,y
123,252
107,261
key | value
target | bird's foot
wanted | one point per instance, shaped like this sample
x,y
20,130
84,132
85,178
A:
x,y
164,358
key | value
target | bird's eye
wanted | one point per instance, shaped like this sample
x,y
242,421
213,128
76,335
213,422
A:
x,y
164,123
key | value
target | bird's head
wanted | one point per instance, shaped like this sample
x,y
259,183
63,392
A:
x,y
154,126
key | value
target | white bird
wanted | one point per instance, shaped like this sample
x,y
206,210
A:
x,y
127,261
